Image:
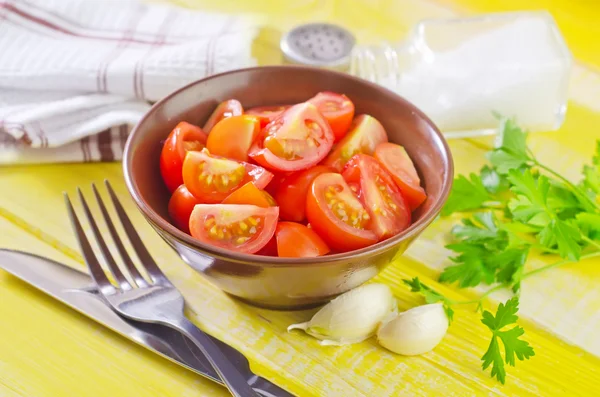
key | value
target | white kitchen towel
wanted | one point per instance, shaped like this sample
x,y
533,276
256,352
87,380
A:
x,y
76,75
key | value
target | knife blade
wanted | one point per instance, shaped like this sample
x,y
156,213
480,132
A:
x,y
75,289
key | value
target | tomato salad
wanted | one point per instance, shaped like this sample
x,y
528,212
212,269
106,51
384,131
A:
x,y
300,180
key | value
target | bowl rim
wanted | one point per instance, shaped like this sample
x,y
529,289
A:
x,y
268,261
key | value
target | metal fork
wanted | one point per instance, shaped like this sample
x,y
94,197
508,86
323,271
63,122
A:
x,y
150,301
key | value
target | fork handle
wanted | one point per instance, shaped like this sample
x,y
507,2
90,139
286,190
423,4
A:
x,y
231,376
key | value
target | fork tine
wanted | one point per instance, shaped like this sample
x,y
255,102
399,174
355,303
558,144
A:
x,y
133,271
153,270
112,266
91,261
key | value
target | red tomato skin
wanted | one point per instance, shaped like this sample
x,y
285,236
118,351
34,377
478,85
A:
x,y
394,159
173,152
338,238
298,241
232,137
253,173
266,114
255,244
250,194
292,192
181,205
360,170
365,134
339,119
270,249
264,157
231,107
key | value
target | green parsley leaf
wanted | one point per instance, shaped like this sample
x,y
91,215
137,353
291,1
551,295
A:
x,y
589,225
591,174
430,295
467,194
506,315
492,180
530,204
512,152
481,226
565,236
470,269
510,265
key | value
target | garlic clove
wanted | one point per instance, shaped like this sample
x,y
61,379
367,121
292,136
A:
x,y
351,317
415,331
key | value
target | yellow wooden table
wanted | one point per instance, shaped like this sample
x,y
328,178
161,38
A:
x,y
47,349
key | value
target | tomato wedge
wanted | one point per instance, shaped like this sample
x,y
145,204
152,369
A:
x,y
389,213
297,139
270,249
212,178
394,159
180,208
266,114
298,241
240,228
337,109
250,194
183,138
233,136
291,194
337,215
365,134
225,109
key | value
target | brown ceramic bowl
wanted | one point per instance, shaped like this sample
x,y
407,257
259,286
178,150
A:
x,y
281,282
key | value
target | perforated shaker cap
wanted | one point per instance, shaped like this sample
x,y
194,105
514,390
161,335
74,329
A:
x,y
318,44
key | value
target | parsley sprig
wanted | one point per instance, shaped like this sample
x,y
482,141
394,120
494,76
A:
x,y
514,206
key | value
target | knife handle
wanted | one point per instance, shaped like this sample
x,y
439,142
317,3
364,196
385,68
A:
x,y
231,376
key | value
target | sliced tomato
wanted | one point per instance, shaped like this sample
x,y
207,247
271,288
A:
x,y
298,241
389,213
250,194
297,139
266,114
291,194
233,136
337,215
270,249
183,138
211,178
181,205
337,109
278,178
225,109
394,159
365,134
240,228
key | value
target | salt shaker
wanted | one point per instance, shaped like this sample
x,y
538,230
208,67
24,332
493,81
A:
x,y
462,72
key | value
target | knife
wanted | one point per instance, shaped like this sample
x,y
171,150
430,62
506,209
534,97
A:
x,y
76,289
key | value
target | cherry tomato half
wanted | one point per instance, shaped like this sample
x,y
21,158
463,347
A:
x,y
181,205
291,194
337,109
297,139
270,249
389,213
394,159
240,228
183,138
365,134
250,194
225,109
297,241
337,215
266,114
212,178
233,136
